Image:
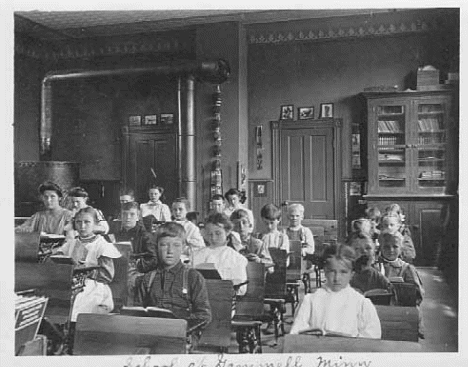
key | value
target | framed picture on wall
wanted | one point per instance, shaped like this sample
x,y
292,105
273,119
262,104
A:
x,y
150,120
134,120
167,118
305,113
287,112
326,110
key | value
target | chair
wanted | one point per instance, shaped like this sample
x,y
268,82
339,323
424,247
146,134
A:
x,y
276,294
118,285
406,294
217,334
293,274
398,323
332,344
103,334
379,296
250,312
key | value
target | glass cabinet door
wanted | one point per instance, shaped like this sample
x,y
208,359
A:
x,y
431,146
391,146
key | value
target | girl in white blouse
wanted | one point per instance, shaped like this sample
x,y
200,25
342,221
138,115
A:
x,y
337,308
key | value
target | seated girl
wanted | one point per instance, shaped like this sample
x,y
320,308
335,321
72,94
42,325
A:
x,y
91,250
366,276
337,308
54,218
230,264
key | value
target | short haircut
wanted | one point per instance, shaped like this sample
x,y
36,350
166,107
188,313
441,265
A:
x,y
384,237
170,229
393,208
148,221
357,224
390,215
270,212
296,206
128,192
217,197
88,210
373,212
130,205
182,201
159,188
340,252
220,219
240,214
231,192
360,241
78,192
50,186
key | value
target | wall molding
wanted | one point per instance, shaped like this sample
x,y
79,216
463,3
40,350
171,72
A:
x,y
94,48
334,33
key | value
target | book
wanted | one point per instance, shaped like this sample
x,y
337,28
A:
x,y
208,271
150,311
396,280
29,311
62,259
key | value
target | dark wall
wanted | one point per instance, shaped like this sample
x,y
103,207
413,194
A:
x,y
308,74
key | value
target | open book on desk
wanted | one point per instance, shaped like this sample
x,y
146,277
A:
x,y
396,280
62,259
150,311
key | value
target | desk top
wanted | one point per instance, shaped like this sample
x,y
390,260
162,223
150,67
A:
x,y
325,344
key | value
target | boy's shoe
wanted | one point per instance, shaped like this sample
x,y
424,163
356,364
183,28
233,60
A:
x,y
421,335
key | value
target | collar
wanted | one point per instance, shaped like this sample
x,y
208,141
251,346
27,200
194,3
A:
x,y
175,269
152,203
395,263
87,239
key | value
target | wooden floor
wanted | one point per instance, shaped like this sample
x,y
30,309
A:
x,y
440,309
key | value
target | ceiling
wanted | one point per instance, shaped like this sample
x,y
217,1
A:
x,y
75,25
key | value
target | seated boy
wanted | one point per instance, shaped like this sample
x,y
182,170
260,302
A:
x,y
172,285
297,232
252,248
391,245
366,277
133,231
391,223
193,236
271,216
217,204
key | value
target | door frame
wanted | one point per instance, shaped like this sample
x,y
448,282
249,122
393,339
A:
x,y
149,131
277,129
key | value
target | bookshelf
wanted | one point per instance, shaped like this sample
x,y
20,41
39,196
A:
x,y
412,159
407,142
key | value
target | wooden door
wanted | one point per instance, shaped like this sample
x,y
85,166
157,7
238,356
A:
x,y
309,167
147,151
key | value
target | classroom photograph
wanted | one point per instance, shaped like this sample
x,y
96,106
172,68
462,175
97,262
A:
x,y
227,182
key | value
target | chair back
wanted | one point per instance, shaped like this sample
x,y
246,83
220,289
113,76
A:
x,y
218,332
275,283
251,303
48,279
406,294
331,344
398,323
295,259
27,246
111,334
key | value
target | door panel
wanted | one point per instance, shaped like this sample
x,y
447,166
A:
x,y
157,152
307,170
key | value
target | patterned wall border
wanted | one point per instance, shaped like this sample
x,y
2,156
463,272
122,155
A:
x,y
85,50
339,33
